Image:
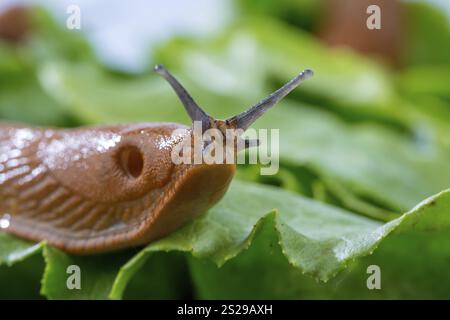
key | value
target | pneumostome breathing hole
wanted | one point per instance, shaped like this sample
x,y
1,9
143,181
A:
x,y
131,161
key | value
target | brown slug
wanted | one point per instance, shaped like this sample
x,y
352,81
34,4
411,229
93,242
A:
x,y
97,189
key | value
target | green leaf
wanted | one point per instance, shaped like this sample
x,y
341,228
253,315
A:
x,y
314,238
428,36
163,276
13,250
426,80
21,96
230,227
301,13
21,266
97,274
22,280
411,260
318,239
367,159
50,40
428,95
26,102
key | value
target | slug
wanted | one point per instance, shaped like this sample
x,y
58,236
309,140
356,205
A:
x,y
97,189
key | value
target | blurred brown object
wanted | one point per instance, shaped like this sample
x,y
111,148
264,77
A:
x,y
344,23
14,24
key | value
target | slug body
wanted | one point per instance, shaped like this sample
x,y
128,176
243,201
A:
x,y
97,189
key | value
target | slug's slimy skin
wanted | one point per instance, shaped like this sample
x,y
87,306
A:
x,y
97,189
74,188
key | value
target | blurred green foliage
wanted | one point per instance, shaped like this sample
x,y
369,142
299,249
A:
x,y
361,144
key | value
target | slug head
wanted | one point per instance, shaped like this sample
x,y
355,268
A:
x,y
238,123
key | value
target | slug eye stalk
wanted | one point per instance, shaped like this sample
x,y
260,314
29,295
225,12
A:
x,y
241,121
194,111
247,118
